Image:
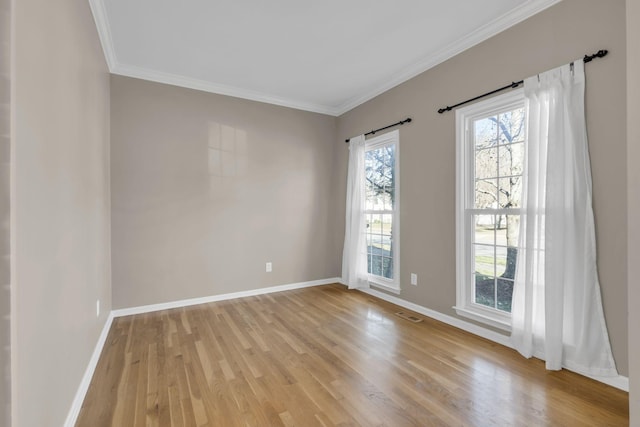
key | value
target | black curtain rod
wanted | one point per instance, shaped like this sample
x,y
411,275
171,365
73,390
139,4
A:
x,y
513,85
373,132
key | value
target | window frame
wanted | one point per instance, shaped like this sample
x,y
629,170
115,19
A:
x,y
389,138
465,210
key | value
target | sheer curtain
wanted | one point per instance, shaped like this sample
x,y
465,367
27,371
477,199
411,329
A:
x,y
557,308
354,254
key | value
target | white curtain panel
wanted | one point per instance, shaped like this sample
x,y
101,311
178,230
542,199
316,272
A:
x,y
557,308
354,254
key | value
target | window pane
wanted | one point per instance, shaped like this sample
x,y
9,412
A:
x,y
501,260
376,265
485,290
510,268
370,197
486,194
507,230
487,163
379,244
375,226
390,159
386,245
485,132
510,192
387,220
387,234
369,166
374,177
370,239
511,159
376,245
505,294
379,172
484,232
386,199
387,267
512,126
484,260
501,230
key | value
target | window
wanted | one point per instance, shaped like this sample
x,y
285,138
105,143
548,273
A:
x,y
381,206
491,138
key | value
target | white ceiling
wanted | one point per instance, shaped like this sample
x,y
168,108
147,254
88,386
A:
x,y
324,56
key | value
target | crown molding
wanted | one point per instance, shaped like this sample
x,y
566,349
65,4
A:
x,y
479,35
104,32
206,86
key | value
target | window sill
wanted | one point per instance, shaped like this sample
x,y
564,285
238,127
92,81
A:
x,y
483,318
384,287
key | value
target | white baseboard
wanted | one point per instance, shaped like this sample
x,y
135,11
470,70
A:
x,y
222,297
76,405
619,382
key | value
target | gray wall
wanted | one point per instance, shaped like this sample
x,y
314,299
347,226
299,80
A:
x,y
61,204
554,37
5,269
207,188
633,159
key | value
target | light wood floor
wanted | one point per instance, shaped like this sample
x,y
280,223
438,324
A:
x,y
326,356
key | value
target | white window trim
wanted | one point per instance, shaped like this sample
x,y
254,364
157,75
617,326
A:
x,y
465,156
393,286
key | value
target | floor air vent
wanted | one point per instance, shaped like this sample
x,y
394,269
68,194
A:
x,y
409,317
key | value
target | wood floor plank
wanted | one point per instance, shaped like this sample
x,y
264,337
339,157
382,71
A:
x,y
326,356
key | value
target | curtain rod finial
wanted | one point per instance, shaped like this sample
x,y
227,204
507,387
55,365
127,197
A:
x,y
599,54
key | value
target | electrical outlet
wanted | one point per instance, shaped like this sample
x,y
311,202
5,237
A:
x,y
269,267
97,308
414,279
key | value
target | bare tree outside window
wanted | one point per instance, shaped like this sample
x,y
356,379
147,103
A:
x,y
380,201
499,152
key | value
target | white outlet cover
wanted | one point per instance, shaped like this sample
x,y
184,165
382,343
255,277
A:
x,y
269,267
414,279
